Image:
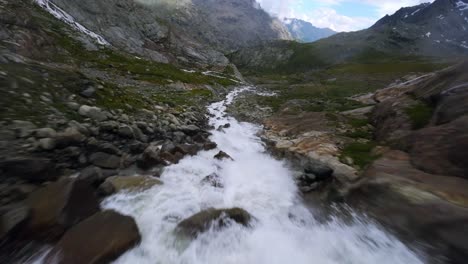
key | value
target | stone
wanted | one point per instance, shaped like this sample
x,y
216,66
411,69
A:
x,y
107,235
12,219
108,148
73,106
29,168
125,131
216,218
70,137
150,157
190,129
45,133
22,129
105,160
88,92
94,113
47,143
209,146
222,155
320,170
129,183
58,206
213,180
80,127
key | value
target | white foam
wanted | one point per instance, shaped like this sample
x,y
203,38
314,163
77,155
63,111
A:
x,y
285,231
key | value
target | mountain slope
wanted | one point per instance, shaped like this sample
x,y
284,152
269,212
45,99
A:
x,y
196,31
304,31
437,30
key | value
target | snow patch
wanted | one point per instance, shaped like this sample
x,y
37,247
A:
x,y
60,14
462,6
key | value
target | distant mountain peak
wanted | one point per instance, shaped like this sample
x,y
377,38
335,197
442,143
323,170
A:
x,y
304,31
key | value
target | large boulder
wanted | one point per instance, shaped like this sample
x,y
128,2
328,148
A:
x,y
58,206
101,238
216,218
129,183
29,168
318,169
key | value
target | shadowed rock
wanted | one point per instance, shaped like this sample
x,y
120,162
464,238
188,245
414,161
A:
x,y
101,238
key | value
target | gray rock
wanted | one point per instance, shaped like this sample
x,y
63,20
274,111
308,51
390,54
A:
x,y
47,143
73,106
70,137
190,129
46,132
126,131
94,113
105,160
80,127
89,92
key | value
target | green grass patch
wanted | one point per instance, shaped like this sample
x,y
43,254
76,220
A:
x,y
360,152
420,114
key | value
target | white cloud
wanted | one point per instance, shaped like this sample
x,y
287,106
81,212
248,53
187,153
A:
x,y
326,16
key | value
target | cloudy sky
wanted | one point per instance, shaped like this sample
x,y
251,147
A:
x,y
339,15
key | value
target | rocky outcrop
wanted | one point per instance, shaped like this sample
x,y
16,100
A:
x,y
212,218
419,205
107,235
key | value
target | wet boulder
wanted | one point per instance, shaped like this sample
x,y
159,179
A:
x,y
213,180
29,168
212,218
222,155
150,157
101,238
58,206
318,169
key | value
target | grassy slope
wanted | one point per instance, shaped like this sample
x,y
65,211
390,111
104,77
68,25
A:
x,y
326,86
57,70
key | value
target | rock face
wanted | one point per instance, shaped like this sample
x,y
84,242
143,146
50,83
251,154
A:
x,y
217,218
418,205
58,206
101,238
13,218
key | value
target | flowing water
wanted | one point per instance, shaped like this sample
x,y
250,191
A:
x,y
284,231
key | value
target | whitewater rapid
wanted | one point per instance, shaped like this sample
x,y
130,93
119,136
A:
x,y
285,231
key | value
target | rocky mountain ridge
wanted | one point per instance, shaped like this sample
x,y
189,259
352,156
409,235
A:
x,y
438,30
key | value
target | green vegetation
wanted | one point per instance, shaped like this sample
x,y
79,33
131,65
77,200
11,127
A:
x,y
420,114
360,153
